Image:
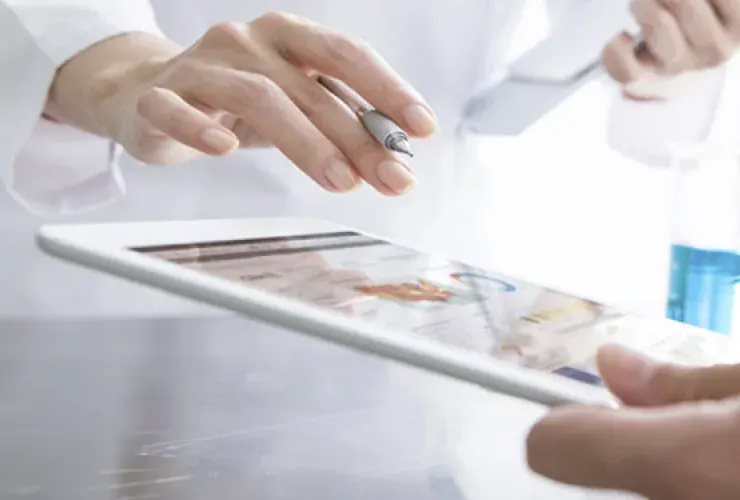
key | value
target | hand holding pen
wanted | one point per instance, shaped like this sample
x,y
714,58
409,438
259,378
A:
x,y
255,85
382,128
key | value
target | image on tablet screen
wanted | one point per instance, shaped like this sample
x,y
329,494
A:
x,y
399,288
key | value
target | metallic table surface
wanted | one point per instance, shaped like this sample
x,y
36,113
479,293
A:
x,y
201,408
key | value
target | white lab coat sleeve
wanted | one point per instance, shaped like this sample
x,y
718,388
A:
x,y
646,130
52,168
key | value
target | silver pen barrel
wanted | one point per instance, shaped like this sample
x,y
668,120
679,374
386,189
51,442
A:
x,y
390,135
382,128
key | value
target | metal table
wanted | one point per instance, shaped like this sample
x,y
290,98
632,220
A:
x,y
202,408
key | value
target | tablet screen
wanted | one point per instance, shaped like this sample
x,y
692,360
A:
x,y
445,301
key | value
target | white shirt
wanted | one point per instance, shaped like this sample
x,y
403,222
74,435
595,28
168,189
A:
x,y
444,49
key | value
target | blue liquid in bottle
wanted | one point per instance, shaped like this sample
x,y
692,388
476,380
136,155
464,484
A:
x,y
705,288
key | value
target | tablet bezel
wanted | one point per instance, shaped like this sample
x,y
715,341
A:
x,y
107,248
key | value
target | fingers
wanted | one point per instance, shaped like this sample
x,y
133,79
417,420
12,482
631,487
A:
x,y
728,12
662,36
639,381
679,36
673,384
677,452
376,165
248,137
327,141
259,74
588,447
169,114
262,103
306,44
702,29
621,62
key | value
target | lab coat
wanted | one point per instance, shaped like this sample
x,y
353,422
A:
x,y
445,50
61,171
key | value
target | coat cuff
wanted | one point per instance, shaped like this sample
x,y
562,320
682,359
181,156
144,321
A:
x,y
51,168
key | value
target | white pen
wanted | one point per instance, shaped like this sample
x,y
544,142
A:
x,y
382,128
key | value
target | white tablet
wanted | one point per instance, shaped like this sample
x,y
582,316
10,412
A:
x,y
366,293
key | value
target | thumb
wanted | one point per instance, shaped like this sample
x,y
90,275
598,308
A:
x,y
639,381
683,451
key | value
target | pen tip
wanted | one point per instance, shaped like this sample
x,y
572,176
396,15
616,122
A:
x,y
402,146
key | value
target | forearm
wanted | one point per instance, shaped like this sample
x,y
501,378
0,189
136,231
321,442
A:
x,y
83,86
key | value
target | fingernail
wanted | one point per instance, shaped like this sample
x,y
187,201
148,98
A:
x,y
341,176
396,176
219,140
630,364
420,120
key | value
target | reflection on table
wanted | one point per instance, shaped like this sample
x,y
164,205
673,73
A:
x,y
211,408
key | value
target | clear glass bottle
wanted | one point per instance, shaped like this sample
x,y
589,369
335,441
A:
x,y
705,249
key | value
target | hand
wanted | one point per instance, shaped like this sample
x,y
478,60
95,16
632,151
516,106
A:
x,y
253,85
680,441
679,36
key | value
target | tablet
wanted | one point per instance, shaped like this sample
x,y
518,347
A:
x,y
369,294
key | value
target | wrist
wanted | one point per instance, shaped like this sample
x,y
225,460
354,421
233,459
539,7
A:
x,y
89,91
110,97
